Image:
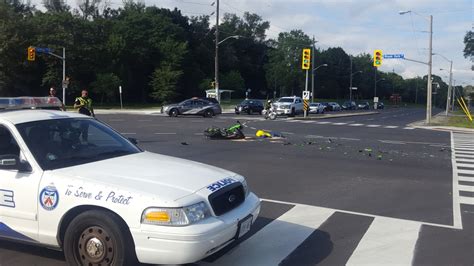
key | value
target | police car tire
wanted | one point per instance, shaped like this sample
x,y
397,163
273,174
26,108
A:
x,y
103,226
173,112
208,113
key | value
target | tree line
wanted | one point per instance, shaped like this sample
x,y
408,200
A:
x,y
159,55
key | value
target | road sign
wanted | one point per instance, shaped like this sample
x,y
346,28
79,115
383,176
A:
x,y
376,99
393,56
43,50
354,88
305,95
306,105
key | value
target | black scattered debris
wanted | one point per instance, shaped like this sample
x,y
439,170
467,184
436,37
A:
x,y
184,143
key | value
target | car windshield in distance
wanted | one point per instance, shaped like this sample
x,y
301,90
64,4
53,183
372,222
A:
x,y
286,100
60,143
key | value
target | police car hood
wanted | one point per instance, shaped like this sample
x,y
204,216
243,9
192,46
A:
x,y
149,173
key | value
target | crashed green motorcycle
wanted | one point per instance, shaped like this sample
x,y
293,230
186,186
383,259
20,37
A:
x,y
233,132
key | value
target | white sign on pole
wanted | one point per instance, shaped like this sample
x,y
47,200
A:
x,y
120,89
354,88
376,99
305,95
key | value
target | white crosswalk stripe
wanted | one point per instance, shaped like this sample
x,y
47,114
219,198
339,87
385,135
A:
x,y
278,239
386,241
463,167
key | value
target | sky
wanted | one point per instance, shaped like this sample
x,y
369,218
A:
x,y
361,26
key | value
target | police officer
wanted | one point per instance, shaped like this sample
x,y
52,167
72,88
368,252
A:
x,y
84,104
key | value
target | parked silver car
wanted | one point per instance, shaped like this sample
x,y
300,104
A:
x,y
316,108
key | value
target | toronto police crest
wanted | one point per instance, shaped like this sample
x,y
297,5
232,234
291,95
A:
x,y
49,198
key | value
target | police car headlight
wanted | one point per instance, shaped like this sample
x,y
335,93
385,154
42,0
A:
x,y
176,216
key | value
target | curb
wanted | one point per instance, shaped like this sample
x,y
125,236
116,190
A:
x,y
327,116
442,128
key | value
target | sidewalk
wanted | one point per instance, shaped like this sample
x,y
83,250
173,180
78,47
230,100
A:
x,y
437,123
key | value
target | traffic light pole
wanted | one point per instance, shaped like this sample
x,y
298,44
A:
x,y
63,58
306,89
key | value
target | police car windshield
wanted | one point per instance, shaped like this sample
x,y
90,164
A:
x,y
59,143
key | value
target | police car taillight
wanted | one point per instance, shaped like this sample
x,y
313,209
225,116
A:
x,y
30,103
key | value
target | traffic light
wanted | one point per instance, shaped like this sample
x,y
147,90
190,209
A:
x,y
378,58
305,62
31,53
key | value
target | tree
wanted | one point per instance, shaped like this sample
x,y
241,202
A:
x,y
233,81
106,85
163,83
469,46
56,6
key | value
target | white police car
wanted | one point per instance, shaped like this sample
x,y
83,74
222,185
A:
x,y
70,182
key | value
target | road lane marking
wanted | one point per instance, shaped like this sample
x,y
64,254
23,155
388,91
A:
x,y
464,156
367,214
457,218
409,128
308,122
165,133
277,240
339,124
323,122
391,127
393,142
466,188
349,139
356,125
467,200
373,125
387,241
465,165
466,178
126,133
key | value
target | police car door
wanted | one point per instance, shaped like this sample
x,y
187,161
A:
x,y
18,189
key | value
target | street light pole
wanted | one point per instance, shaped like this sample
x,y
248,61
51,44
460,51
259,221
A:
x,y
64,76
216,62
312,72
350,82
312,84
429,84
430,65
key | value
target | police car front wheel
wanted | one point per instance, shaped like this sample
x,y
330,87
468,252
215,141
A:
x,y
95,238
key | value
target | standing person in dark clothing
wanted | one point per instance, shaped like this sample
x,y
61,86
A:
x,y
52,93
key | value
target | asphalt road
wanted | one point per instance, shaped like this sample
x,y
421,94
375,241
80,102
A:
x,y
351,190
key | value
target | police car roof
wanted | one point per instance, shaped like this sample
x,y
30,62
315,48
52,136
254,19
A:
x,y
24,116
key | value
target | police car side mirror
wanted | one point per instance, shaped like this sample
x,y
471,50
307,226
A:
x,y
13,162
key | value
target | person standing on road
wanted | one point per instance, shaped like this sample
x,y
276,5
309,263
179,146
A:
x,y
84,104
52,93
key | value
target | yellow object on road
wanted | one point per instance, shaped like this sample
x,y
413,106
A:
x,y
262,133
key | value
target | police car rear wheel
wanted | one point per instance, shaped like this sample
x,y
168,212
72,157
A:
x,y
95,238
208,113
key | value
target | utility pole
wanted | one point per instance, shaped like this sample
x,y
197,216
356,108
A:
x,y
449,88
429,84
375,82
216,63
64,85
312,72
350,82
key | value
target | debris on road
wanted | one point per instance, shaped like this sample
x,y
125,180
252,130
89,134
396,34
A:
x,y
184,143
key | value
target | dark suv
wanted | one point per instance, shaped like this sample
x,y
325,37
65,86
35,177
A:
x,y
349,105
249,107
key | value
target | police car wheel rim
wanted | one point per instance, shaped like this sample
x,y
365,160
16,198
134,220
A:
x,y
95,246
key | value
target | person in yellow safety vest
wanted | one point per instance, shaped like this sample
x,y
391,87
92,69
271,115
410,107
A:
x,y
84,104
